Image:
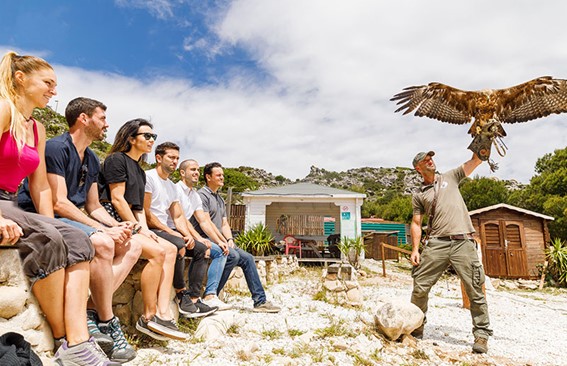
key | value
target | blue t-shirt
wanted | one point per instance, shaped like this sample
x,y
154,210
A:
x,y
62,158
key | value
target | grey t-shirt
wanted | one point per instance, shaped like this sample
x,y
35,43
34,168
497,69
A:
x,y
214,205
451,216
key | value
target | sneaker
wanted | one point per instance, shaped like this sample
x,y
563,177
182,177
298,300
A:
x,y
142,326
166,328
189,309
204,308
418,333
480,345
104,341
57,342
218,303
266,307
121,350
83,354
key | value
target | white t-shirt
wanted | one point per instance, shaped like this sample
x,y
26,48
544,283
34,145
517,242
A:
x,y
164,194
189,199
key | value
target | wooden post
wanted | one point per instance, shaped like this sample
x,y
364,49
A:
x,y
383,259
542,279
466,301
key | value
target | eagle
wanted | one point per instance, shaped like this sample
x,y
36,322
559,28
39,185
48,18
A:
x,y
487,109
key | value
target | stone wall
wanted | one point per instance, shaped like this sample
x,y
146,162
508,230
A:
x,y
19,310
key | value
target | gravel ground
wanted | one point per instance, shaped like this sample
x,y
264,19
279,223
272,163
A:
x,y
530,328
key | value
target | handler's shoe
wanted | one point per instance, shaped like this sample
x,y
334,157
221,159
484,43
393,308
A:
x,y
418,333
480,345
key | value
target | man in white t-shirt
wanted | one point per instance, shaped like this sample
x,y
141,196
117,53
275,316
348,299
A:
x,y
165,217
193,206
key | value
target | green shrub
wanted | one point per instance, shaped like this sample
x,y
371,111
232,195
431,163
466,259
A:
x,y
557,256
257,240
351,248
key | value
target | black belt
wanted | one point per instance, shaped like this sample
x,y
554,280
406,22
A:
x,y
8,196
454,237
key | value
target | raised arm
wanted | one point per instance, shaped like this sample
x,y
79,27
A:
x,y
470,166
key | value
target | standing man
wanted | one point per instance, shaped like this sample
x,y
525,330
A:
x,y
72,172
193,206
450,242
165,217
214,207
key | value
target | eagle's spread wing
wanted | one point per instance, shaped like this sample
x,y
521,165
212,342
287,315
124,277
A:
x,y
437,101
531,100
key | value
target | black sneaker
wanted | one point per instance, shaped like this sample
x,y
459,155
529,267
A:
x,y
166,328
104,341
121,350
204,308
142,326
189,309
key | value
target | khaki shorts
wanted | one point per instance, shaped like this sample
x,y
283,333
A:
x,y
47,244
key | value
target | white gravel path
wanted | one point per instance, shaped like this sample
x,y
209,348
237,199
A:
x,y
530,328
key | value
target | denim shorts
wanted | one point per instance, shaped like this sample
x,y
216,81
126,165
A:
x,y
89,230
47,244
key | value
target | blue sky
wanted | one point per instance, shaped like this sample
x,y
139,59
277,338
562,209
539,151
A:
x,y
285,84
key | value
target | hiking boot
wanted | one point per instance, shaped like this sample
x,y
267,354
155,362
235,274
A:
x,y
189,309
215,302
166,328
417,333
104,341
121,350
83,354
266,307
142,326
480,345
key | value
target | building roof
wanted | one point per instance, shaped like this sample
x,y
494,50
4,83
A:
x,y
510,207
304,190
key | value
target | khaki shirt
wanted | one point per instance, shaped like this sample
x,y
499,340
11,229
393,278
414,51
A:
x,y
451,216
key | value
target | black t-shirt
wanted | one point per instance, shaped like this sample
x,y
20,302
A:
x,y
118,168
62,158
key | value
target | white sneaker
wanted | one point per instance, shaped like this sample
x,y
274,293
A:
x,y
215,301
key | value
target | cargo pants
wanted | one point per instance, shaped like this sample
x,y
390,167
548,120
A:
x,y
462,255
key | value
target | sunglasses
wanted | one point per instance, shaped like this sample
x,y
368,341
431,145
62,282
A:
x,y
83,177
147,135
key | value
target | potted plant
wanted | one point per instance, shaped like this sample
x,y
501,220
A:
x,y
257,240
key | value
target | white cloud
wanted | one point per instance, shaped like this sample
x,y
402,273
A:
x,y
332,67
161,9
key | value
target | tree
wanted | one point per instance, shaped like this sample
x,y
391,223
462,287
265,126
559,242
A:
x,y
547,191
483,192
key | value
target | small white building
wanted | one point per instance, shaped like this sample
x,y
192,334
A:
x,y
304,201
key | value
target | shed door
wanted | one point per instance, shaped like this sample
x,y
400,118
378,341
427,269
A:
x,y
504,252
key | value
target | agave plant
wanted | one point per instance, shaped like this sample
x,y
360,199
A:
x,y
257,240
351,248
557,256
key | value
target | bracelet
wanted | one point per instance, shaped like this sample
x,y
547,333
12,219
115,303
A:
x,y
229,239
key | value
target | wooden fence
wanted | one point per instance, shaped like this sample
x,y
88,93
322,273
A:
x,y
237,217
301,225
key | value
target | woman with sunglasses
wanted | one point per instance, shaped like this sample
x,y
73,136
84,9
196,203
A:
x,y
55,256
123,196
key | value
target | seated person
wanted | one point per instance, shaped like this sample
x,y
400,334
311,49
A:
x,y
72,172
55,256
215,212
165,217
123,182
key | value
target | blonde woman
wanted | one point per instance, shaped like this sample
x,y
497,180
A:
x,y
123,197
55,256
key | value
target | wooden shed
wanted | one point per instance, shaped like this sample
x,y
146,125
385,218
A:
x,y
513,240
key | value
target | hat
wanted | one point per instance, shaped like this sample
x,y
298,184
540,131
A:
x,y
420,156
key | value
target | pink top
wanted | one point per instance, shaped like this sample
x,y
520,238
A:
x,y
16,165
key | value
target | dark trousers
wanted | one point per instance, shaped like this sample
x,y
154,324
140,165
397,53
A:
x,y
244,260
197,268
